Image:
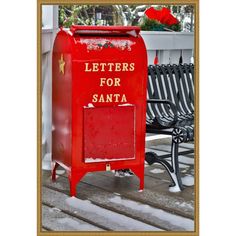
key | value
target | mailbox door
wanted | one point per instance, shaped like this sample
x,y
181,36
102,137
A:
x,y
109,133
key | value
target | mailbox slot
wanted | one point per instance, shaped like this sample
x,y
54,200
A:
x,y
99,34
102,31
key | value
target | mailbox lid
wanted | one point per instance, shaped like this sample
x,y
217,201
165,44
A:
x,y
101,30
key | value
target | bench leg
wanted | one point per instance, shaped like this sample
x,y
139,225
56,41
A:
x,y
175,173
172,169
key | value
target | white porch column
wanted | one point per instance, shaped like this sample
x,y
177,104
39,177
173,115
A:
x,y
49,30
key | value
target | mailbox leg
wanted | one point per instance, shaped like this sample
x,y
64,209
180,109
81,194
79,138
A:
x,y
141,178
139,172
141,185
73,184
54,168
74,181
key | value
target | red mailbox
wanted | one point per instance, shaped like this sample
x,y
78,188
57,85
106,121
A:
x,y
98,101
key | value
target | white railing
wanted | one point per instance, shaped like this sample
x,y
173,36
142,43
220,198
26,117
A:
x,y
169,46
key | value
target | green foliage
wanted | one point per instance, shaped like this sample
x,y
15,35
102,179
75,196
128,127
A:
x,y
154,25
72,15
121,15
151,25
176,27
83,14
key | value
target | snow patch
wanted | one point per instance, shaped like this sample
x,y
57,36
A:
x,y
117,174
123,173
172,219
188,180
185,205
125,222
95,159
54,209
183,166
132,33
125,105
174,189
60,172
90,105
157,171
93,44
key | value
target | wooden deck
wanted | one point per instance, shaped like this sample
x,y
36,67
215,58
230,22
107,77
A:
x,y
108,203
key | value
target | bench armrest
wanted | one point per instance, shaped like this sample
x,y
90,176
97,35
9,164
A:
x,y
168,102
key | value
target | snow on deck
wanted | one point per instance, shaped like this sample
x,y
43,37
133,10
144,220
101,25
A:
x,y
105,202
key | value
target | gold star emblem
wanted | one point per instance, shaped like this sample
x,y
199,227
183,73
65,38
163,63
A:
x,y
61,65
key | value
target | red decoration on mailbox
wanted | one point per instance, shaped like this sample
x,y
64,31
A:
x,y
98,101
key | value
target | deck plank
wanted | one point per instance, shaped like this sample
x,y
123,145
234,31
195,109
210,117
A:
x,y
125,206
106,202
88,210
155,193
55,220
167,148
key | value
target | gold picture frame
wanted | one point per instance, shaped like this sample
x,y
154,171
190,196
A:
x,y
195,3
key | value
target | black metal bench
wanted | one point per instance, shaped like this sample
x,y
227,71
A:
x,y
170,110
